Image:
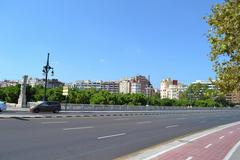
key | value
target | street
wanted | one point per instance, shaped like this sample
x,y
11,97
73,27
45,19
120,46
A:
x,y
105,137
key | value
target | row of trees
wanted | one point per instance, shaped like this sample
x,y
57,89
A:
x,y
196,95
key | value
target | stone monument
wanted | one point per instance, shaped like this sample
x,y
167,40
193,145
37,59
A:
x,y
22,101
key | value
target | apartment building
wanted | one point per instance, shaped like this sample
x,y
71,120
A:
x,y
111,86
136,87
125,86
233,97
170,88
136,84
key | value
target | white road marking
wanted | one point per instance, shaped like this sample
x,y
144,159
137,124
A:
x,y
189,158
207,146
172,126
110,136
180,118
144,122
231,132
67,129
54,122
221,137
121,119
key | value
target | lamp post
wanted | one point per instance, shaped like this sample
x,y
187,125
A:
x,y
45,71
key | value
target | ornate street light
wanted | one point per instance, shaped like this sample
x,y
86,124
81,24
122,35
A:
x,y
45,71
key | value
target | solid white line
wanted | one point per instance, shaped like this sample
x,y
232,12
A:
x,y
114,135
67,129
221,137
189,158
144,122
121,119
172,126
209,145
54,122
229,155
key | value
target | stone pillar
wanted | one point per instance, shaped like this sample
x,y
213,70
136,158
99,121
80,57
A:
x,y
22,101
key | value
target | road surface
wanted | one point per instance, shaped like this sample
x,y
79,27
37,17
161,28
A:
x,y
98,137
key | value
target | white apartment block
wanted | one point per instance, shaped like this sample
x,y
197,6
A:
x,y
170,88
111,86
125,86
136,87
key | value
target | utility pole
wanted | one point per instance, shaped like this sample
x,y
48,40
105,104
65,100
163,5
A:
x,y
45,71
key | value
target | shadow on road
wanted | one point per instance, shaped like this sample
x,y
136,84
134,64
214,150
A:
x,y
18,118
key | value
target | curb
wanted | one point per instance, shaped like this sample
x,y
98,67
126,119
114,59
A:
x,y
100,114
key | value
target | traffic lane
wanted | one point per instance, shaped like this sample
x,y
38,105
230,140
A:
x,y
85,146
52,124
71,122
118,146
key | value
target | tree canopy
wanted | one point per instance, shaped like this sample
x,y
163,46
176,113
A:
x,y
224,37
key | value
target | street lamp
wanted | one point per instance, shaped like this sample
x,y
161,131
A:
x,y
45,71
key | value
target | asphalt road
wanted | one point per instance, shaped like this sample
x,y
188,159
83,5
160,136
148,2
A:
x,y
98,137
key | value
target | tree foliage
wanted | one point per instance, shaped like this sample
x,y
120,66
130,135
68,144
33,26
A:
x,y
196,95
224,37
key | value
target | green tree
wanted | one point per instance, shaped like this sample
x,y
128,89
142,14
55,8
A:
x,y
12,93
224,37
195,92
100,98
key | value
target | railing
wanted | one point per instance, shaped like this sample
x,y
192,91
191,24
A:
x,y
90,107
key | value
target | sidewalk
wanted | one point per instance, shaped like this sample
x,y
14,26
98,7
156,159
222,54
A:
x,y
214,144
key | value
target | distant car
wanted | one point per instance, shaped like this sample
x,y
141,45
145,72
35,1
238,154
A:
x,y
46,106
3,106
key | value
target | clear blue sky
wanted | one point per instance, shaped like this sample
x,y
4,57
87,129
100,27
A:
x,y
105,39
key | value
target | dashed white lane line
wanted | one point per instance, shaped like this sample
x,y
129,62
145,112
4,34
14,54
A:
x,y
110,136
144,122
231,132
180,118
172,126
207,146
189,158
77,128
221,137
59,122
121,119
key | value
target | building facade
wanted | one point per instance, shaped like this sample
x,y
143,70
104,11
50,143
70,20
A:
x,y
137,84
125,86
170,88
111,86
136,88
233,97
